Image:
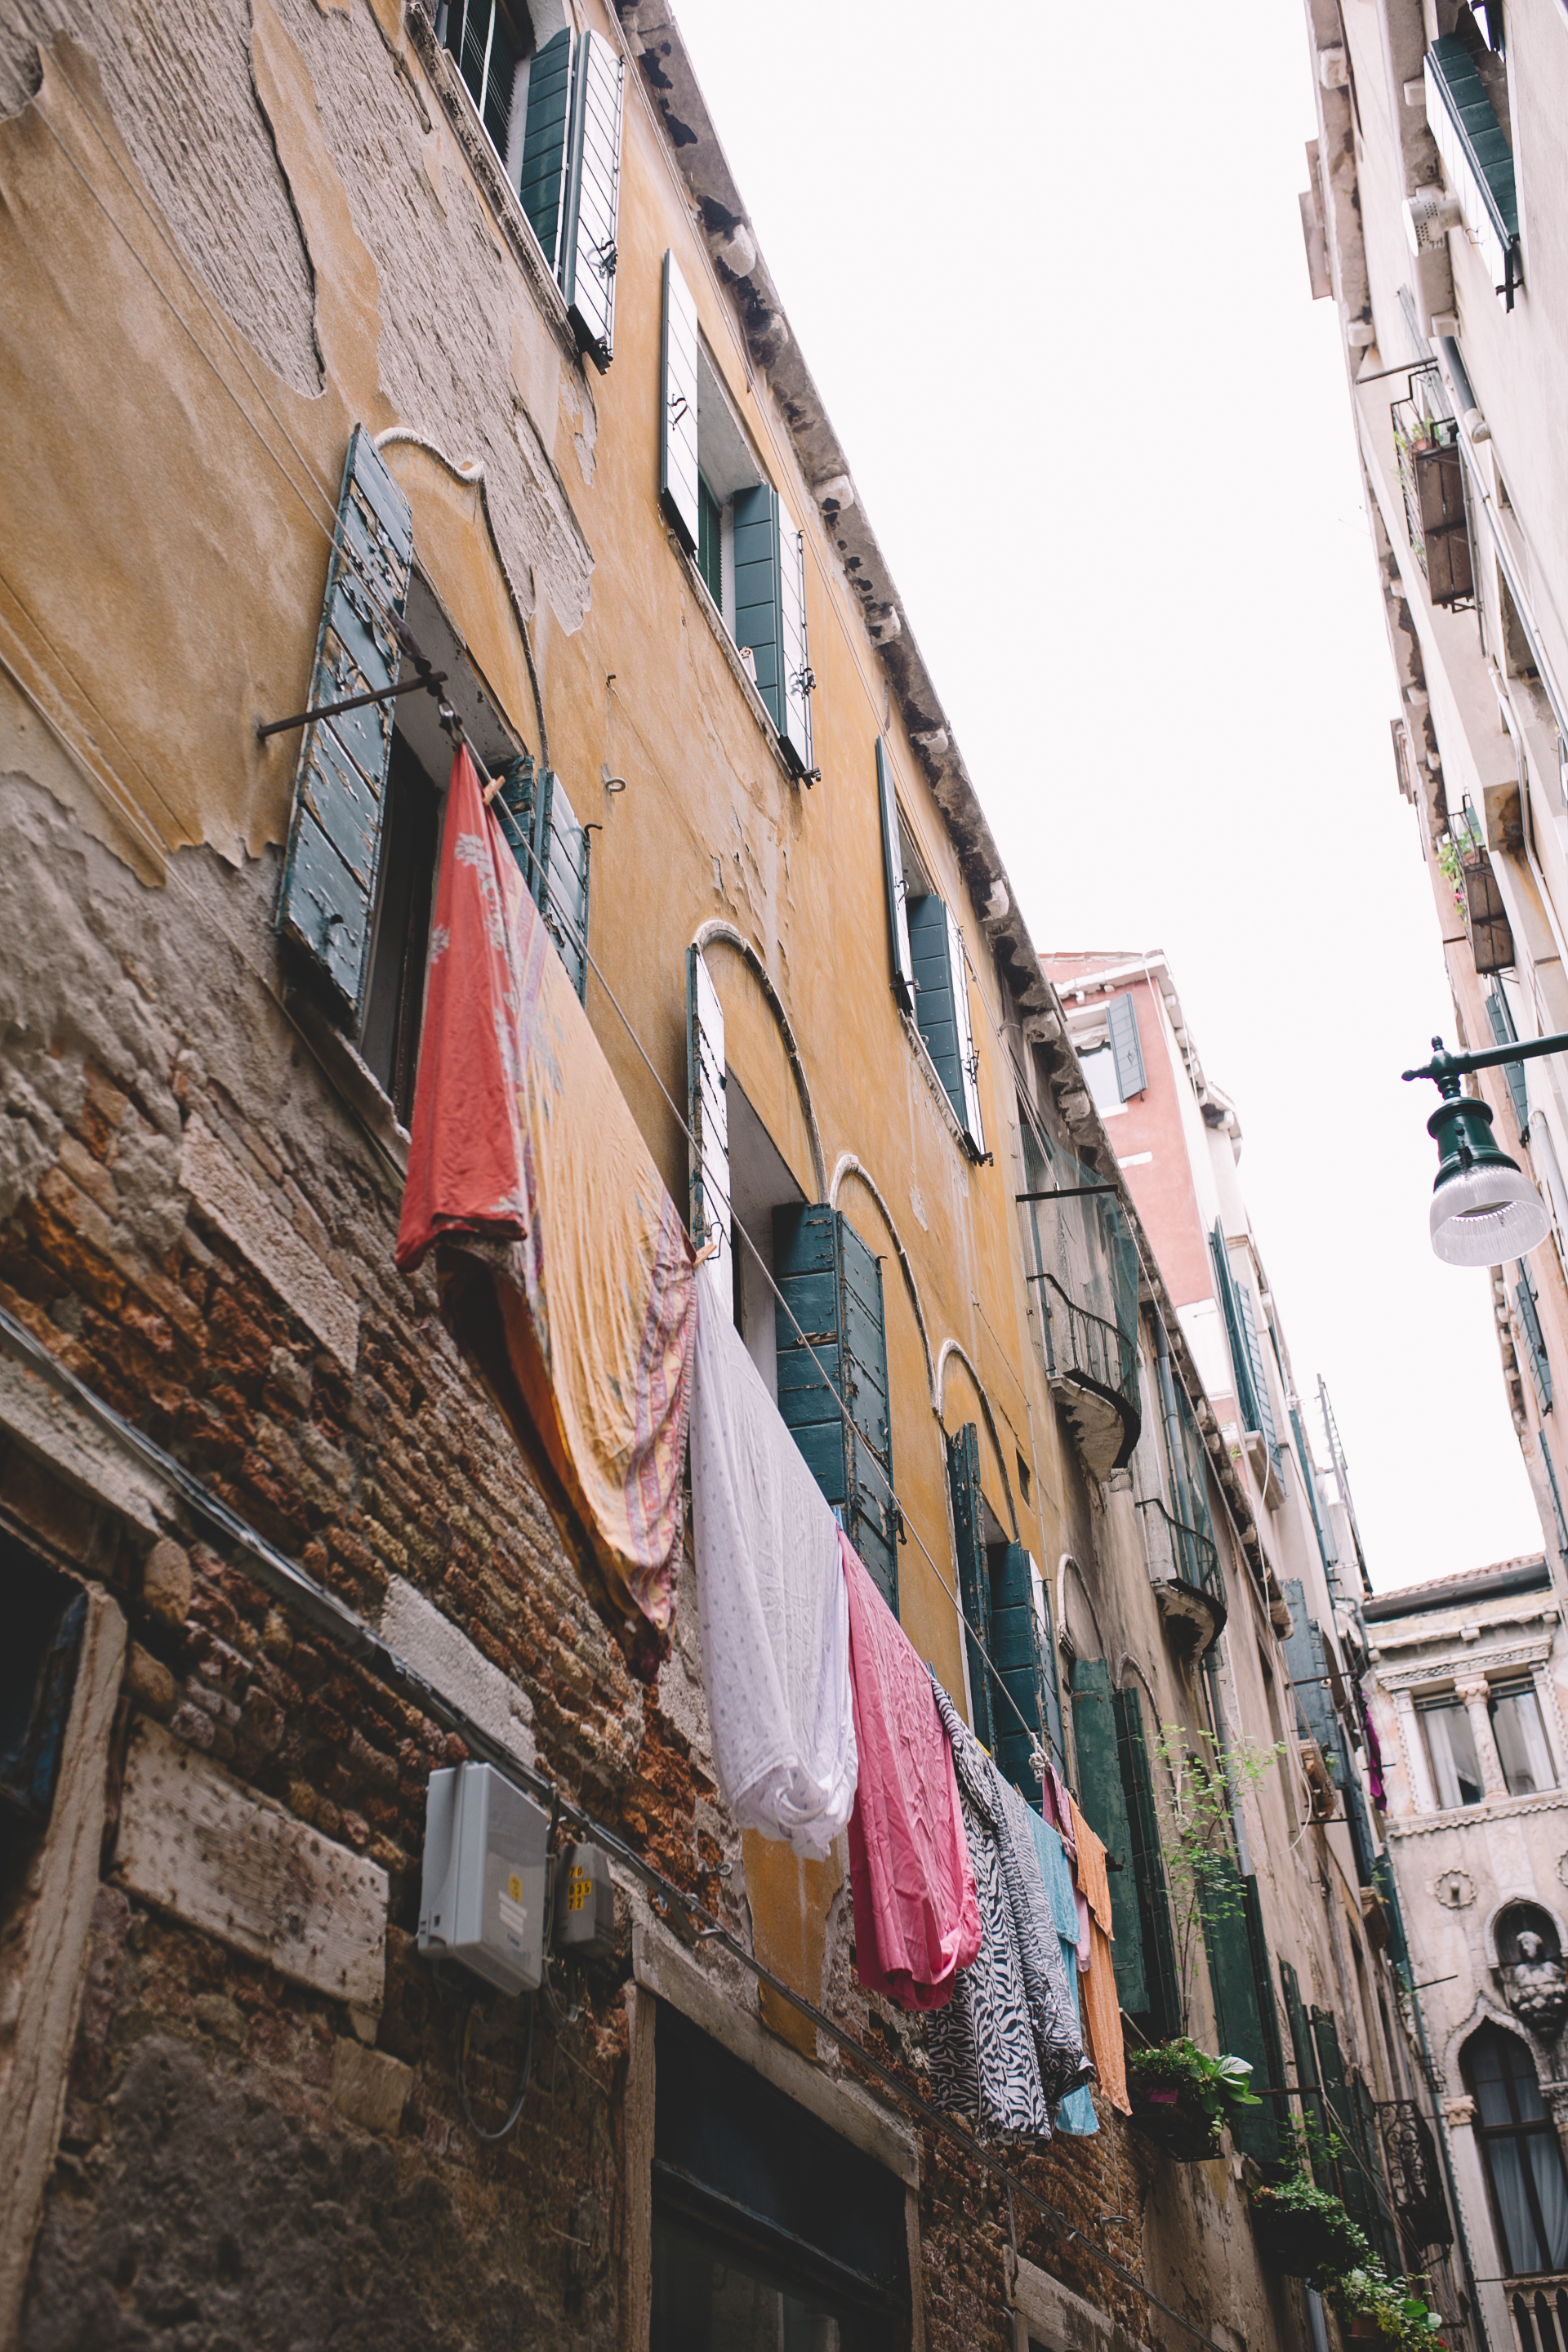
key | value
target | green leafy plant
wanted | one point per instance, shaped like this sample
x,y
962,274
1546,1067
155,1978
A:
x,y
1204,1782
1449,868
1213,2085
1306,2231
1397,2316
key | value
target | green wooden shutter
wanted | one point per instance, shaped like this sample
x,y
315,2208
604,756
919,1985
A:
x,y
709,1118
758,591
1103,1799
1534,1338
1243,1997
552,851
795,678
1354,2185
1501,1021
593,192
893,878
974,1577
1122,1018
1478,161
679,483
328,892
832,1345
941,1009
1259,1368
1162,2016
1369,2141
1309,2083
1235,1330
1020,1669
1308,1666
543,175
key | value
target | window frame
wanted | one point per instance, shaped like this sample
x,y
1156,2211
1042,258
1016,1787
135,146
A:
x,y
1517,2131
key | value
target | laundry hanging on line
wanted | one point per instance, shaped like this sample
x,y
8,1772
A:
x,y
774,1605
566,1273
1102,2008
917,1921
1075,2112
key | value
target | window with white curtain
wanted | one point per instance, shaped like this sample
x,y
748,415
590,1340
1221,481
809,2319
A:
x,y
1518,2145
1451,1745
1521,1739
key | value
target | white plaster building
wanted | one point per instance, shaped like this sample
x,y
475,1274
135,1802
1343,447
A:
x,y
1466,1680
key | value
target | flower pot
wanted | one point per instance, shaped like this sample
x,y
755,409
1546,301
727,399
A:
x,y
1183,2133
1300,2244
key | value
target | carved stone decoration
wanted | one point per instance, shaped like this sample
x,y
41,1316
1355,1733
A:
x,y
1456,1890
1536,1988
1562,1869
1457,2111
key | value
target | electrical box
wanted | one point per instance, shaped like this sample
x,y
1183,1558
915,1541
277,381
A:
x,y
584,1903
482,1899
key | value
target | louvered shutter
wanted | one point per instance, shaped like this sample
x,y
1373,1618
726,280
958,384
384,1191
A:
x,y
552,851
1249,2024
1103,1800
1501,1021
592,192
757,592
1259,1370
893,878
1314,1502
543,176
1235,1331
1307,1663
1163,2013
1016,1654
1535,1338
708,1117
1122,1018
1354,2186
968,1106
974,1577
678,488
795,680
832,1355
941,1009
1308,2086
328,895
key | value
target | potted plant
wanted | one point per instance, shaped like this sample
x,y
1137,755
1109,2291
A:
x,y
1373,2307
1305,2231
1181,2098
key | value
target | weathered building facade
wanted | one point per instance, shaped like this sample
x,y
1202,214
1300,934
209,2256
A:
x,y
344,347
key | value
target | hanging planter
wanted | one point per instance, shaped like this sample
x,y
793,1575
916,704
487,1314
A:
x,y
1182,2098
1305,2231
1374,2308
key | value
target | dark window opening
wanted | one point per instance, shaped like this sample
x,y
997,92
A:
x,y
489,43
394,996
45,1616
711,541
1518,2145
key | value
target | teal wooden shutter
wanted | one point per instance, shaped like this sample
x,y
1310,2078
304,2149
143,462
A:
x,y
1308,1666
973,1576
1235,1330
1248,2026
1314,1502
1020,1670
679,489
832,1345
1103,1800
1121,1017
795,678
941,1009
1309,2083
893,878
708,1117
1500,1021
1162,2016
1534,1338
327,894
1356,2180
1256,1364
543,175
757,589
552,851
593,192
1478,161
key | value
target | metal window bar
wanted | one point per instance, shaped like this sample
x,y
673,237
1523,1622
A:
x,y
1193,1556
1081,1251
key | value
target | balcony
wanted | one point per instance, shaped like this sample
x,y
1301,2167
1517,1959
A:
x,y
1183,1567
1486,917
1539,2308
1432,479
1092,1366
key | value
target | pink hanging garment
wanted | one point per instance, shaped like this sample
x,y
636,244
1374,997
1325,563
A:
x,y
917,1922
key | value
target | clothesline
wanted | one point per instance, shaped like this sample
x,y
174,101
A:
x,y
1037,1735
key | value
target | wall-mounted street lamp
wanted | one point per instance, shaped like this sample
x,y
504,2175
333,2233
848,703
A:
x,y
1484,1208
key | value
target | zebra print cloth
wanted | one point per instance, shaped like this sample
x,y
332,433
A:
x,y
1008,2044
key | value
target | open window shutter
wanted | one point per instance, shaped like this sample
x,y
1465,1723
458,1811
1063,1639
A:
x,y
1308,1668
1104,1803
543,177
967,1103
1121,1017
1309,2083
592,190
973,1576
1235,1331
708,1117
1501,1021
893,877
679,490
1256,1365
832,1345
795,680
328,895
1243,1997
1354,2187
758,592
1050,1681
1165,2000
1534,1338
932,968
552,851
1016,1654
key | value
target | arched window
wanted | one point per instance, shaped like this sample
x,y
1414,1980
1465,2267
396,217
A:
x,y
1524,2161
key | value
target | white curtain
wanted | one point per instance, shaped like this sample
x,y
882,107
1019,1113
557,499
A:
x,y
1451,1745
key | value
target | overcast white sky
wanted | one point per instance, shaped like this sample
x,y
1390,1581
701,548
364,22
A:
x,y
1046,266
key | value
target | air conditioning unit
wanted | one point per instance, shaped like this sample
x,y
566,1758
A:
x,y
482,1893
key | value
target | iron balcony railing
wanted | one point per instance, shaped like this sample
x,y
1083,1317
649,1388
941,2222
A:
x,y
1432,479
1177,1553
1079,1341
1539,2309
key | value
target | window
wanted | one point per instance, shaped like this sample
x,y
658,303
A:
x,y
1478,162
930,968
1116,1794
1524,1299
831,1344
1519,2146
1099,1076
1451,1747
726,514
46,1615
552,113
1521,1737
1114,1072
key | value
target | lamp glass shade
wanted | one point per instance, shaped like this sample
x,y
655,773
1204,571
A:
x,y
1486,1213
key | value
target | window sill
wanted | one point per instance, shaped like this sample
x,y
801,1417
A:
x,y
715,620
463,121
1490,1809
353,1080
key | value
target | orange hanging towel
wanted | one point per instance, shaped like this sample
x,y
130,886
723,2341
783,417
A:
x,y
1097,1987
